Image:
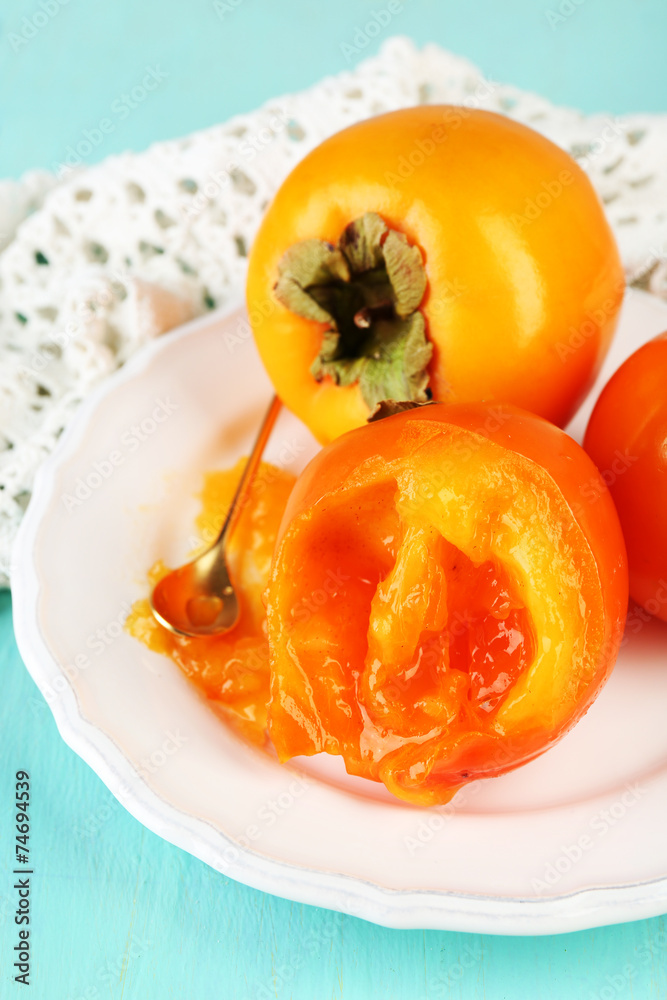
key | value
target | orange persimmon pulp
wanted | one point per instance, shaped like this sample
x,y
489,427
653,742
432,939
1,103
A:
x,y
442,607
232,670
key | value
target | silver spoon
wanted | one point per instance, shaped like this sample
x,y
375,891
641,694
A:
x,y
199,598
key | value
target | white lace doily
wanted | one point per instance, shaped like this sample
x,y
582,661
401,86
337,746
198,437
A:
x,y
97,261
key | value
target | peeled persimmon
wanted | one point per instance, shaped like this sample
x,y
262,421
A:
x,y
465,607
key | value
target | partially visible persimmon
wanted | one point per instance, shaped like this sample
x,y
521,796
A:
x,y
627,439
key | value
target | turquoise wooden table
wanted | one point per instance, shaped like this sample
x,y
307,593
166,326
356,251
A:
x,y
116,912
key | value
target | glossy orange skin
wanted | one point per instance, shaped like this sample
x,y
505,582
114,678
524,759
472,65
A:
x,y
337,538
524,277
627,439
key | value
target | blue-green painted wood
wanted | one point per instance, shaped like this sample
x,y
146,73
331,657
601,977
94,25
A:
x,y
116,912
226,56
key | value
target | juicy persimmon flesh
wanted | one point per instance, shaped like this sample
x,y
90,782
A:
x,y
440,608
232,670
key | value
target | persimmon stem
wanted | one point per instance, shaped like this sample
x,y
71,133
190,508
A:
x,y
367,290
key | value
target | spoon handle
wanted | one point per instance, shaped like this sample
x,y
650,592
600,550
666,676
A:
x,y
248,474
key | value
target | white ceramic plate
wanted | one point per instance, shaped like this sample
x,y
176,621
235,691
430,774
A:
x,y
574,839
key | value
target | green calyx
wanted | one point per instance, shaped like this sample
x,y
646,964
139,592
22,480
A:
x,y
367,290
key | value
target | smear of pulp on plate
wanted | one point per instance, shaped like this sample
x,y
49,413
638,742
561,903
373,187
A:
x,y
231,670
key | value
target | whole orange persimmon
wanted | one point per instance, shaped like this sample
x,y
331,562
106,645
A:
x,y
433,252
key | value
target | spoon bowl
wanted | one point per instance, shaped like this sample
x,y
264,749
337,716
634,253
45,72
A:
x,y
189,602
